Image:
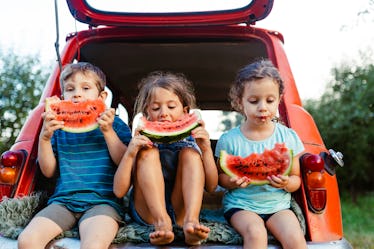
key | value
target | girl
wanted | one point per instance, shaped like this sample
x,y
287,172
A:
x,y
169,179
252,210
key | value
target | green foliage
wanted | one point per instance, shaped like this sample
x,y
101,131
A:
x,y
230,120
358,218
21,84
344,115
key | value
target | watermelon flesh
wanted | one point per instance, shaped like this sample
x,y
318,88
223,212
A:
x,y
78,117
257,167
169,132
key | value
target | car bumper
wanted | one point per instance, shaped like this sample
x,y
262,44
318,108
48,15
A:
x,y
72,243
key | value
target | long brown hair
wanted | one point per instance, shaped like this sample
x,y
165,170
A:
x,y
174,82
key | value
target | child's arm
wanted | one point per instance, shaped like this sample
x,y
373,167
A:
x,y
210,169
115,146
46,157
290,183
122,177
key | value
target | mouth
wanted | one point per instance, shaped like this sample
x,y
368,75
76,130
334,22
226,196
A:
x,y
262,118
78,100
164,121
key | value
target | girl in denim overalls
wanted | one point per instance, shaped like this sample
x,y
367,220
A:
x,y
168,179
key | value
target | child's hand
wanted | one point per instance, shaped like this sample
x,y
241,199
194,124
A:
x,y
278,181
106,119
50,124
241,182
139,142
201,135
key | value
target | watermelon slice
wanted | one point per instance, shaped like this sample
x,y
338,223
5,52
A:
x,y
258,167
78,117
169,132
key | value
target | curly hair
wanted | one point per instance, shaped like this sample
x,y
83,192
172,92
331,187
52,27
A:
x,y
257,70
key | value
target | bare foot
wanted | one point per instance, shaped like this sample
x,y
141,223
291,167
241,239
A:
x,y
194,233
162,235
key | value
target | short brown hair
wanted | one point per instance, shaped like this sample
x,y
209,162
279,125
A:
x,y
83,67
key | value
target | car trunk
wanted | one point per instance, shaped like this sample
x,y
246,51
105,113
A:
x,y
210,62
209,57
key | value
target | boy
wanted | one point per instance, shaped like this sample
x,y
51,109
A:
x,y
85,164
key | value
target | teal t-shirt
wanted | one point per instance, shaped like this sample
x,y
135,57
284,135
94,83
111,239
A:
x,y
263,199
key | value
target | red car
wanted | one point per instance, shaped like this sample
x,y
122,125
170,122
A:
x,y
208,45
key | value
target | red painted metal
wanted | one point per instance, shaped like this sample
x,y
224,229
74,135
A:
x,y
254,11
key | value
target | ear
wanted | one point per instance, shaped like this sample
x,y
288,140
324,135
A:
x,y
103,95
186,109
239,104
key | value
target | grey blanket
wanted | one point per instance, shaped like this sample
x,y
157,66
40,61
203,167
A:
x,y
15,214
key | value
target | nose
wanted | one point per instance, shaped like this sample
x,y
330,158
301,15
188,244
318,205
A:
x,y
77,93
163,112
262,106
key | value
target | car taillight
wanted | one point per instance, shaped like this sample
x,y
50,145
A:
x,y
314,181
10,165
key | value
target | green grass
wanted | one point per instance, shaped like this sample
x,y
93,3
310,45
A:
x,y
358,220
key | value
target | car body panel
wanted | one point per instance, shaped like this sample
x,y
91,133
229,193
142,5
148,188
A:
x,y
247,11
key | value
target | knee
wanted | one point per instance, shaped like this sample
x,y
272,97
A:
x,y
293,240
146,156
189,155
26,240
22,243
256,232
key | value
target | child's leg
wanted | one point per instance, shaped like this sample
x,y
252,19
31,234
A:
x,y
286,228
252,229
38,233
189,185
45,226
97,232
149,196
98,227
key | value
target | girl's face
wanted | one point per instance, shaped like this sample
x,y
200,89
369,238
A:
x,y
81,87
165,106
260,101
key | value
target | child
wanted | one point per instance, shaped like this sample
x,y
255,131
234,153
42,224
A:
x,y
85,164
169,179
251,209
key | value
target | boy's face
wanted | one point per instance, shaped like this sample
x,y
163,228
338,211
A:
x,y
81,87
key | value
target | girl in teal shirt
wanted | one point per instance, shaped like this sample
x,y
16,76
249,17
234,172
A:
x,y
251,209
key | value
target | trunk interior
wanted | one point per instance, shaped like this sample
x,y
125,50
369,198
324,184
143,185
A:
x,y
210,65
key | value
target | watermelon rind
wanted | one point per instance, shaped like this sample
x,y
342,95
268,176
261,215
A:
x,y
81,130
88,127
223,164
169,136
